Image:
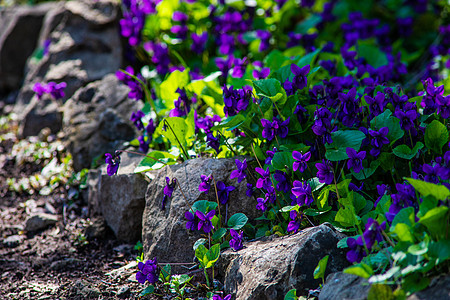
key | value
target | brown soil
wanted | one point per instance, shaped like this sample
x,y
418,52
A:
x,y
57,262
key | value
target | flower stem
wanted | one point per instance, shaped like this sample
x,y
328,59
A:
x,y
217,195
184,196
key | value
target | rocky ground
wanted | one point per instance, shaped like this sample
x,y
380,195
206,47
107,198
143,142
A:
x,y
63,254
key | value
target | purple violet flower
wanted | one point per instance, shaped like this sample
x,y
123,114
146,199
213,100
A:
x,y
40,89
199,42
301,160
296,220
270,155
373,232
113,163
168,190
270,129
218,297
262,204
355,159
300,79
205,220
136,117
190,224
147,271
223,191
357,251
379,138
249,191
143,145
324,172
236,239
205,185
302,190
240,172
264,181
283,183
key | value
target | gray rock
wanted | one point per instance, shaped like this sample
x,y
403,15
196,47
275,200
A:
x,y
123,292
64,263
13,241
97,120
19,34
269,268
164,234
344,286
96,230
439,289
40,221
85,46
83,289
120,199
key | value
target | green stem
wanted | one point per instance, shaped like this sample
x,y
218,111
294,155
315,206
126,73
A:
x,y
173,132
178,56
206,276
146,91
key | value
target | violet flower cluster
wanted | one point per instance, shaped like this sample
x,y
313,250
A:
x,y
55,90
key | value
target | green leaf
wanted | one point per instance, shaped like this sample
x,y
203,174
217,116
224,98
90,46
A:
x,y
291,295
434,220
282,159
380,291
147,291
148,163
200,253
415,282
387,120
367,172
230,123
440,192
199,242
343,243
169,86
386,161
315,212
177,131
308,23
405,152
219,233
361,270
403,233
308,59
237,221
440,250
346,216
343,139
436,136
372,53
275,60
405,216
319,272
270,88
212,255
204,206
289,208
383,277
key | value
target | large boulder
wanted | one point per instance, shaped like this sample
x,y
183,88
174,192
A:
x,y
85,45
344,286
19,33
163,230
97,120
120,199
269,268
